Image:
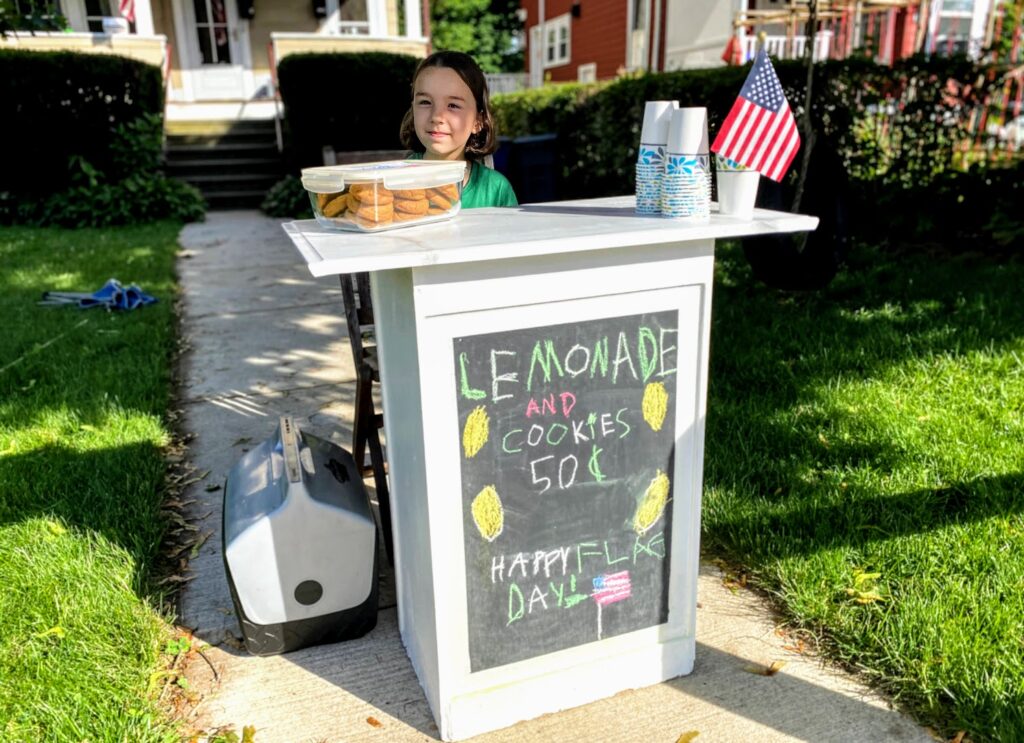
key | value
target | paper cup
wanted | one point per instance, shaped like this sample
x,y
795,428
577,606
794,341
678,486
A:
x,y
657,117
688,132
737,192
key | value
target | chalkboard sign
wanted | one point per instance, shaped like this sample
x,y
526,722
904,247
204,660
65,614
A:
x,y
567,439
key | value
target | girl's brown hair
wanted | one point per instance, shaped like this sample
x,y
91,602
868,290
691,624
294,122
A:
x,y
481,143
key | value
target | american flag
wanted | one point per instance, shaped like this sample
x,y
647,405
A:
x,y
611,588
760,131
127,8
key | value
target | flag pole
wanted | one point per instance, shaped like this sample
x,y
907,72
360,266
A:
x,y
808,140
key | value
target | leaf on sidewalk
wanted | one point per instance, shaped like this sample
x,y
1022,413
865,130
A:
x,y
688,736
374,722
770,670
198,544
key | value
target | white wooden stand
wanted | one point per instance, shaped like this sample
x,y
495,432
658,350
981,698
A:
x,y
492,270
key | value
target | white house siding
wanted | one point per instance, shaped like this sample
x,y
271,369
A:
x,y
696,32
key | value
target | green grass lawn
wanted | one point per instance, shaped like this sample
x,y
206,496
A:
x,y
865,460
83,396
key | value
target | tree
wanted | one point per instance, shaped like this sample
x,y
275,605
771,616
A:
x,y
487,29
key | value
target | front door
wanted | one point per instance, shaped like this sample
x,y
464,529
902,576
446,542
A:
x,y
218,47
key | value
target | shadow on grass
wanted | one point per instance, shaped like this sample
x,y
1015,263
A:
x,y
777,358
114,492
801,527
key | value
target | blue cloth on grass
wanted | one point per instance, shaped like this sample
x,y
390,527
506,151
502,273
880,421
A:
x,y
111,295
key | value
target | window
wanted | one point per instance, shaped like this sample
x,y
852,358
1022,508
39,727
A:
x,y
212,30
95,11
556,41
587,73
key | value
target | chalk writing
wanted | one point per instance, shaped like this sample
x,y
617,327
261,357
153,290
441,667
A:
x,y
568,437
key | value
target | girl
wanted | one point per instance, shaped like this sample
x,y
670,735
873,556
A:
x,y
450,119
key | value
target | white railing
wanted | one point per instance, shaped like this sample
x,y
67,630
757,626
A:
x,y
353,28
779,47
506,82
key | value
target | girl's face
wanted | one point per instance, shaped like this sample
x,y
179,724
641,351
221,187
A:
x,y
444,113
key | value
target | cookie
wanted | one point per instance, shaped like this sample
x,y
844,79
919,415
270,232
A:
x,y
369,224
406,217
439,201
410,193
375,212
369,193
335,206
437,209
416,207
450,191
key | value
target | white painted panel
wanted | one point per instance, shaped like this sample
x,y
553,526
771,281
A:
x,y
530,230
404,424
505,295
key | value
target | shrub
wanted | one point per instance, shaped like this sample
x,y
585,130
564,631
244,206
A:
x,y
287,198
57,105
133,191
348,101
895,132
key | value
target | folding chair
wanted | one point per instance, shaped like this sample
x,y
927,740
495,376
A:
x,y
355,292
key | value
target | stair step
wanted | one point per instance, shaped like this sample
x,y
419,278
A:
x,y
226,162
252,139
213,146
229,177
219,127
236,193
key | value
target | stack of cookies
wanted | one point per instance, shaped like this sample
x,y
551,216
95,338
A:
x,y
372,206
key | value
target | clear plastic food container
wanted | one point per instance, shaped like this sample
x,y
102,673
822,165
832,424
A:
x,y
370,197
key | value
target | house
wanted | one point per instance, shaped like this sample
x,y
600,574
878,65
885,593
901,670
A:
x,y
218,56
586,40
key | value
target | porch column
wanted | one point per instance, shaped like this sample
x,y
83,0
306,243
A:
x,y
377,15
144,18
413,25
332,23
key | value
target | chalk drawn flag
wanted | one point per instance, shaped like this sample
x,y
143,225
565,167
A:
x,y
760,131
611,588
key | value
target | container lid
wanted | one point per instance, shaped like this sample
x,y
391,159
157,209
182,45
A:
x,y
392,173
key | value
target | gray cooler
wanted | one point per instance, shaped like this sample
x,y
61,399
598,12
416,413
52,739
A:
x,y
300,544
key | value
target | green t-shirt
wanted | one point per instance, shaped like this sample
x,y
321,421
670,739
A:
x,y
486,187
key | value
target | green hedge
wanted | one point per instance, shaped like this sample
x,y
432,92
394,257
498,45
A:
x,y
59,105
599,125
348,101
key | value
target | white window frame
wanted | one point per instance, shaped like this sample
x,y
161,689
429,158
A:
x,y
587,73
114,11
552,39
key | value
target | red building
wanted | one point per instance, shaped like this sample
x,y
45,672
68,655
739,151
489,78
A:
x,y
589,40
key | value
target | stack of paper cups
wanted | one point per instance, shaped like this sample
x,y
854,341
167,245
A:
x,y
686,185
650,162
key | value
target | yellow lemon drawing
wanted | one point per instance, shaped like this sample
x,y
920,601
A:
x,y
476,432
488,515
652,505
655,404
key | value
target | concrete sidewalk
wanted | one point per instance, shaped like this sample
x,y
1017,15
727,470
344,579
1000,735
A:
x,y
268,340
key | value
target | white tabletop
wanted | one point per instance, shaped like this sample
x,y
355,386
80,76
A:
x,y
532,229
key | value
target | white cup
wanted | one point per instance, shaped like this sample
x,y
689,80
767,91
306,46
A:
x,y
688,132
657,117
737,192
